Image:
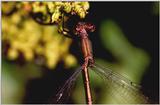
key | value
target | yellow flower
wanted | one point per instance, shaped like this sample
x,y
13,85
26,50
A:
x,y
28,38
39,7
39,50
58,3
16,19
12,54
85,5
67,7
52,58
55,16
70,60
28,54
51,6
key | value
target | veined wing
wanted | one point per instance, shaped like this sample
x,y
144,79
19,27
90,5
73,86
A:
x,y
121,89
64,92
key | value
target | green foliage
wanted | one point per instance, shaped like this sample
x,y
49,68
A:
x,y
132,60
14,79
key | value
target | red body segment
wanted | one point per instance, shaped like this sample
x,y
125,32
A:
x,y
81,30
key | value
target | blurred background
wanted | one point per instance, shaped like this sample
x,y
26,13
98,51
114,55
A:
x,y
37,60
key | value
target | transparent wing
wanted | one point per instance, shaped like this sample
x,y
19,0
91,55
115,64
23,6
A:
x,y
64,93
120,89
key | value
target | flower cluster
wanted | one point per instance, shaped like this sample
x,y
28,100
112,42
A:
x,y
52,12
42,44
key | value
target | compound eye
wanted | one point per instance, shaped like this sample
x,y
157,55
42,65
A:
x,y
83,28
90,27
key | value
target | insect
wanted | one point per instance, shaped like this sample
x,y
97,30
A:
x,y
81,31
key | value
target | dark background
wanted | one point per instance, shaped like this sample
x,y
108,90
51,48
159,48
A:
x,y
140,26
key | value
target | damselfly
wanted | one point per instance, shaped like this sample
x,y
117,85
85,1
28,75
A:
x,y
113,79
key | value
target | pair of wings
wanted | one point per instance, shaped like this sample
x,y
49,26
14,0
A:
x,y
121,89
